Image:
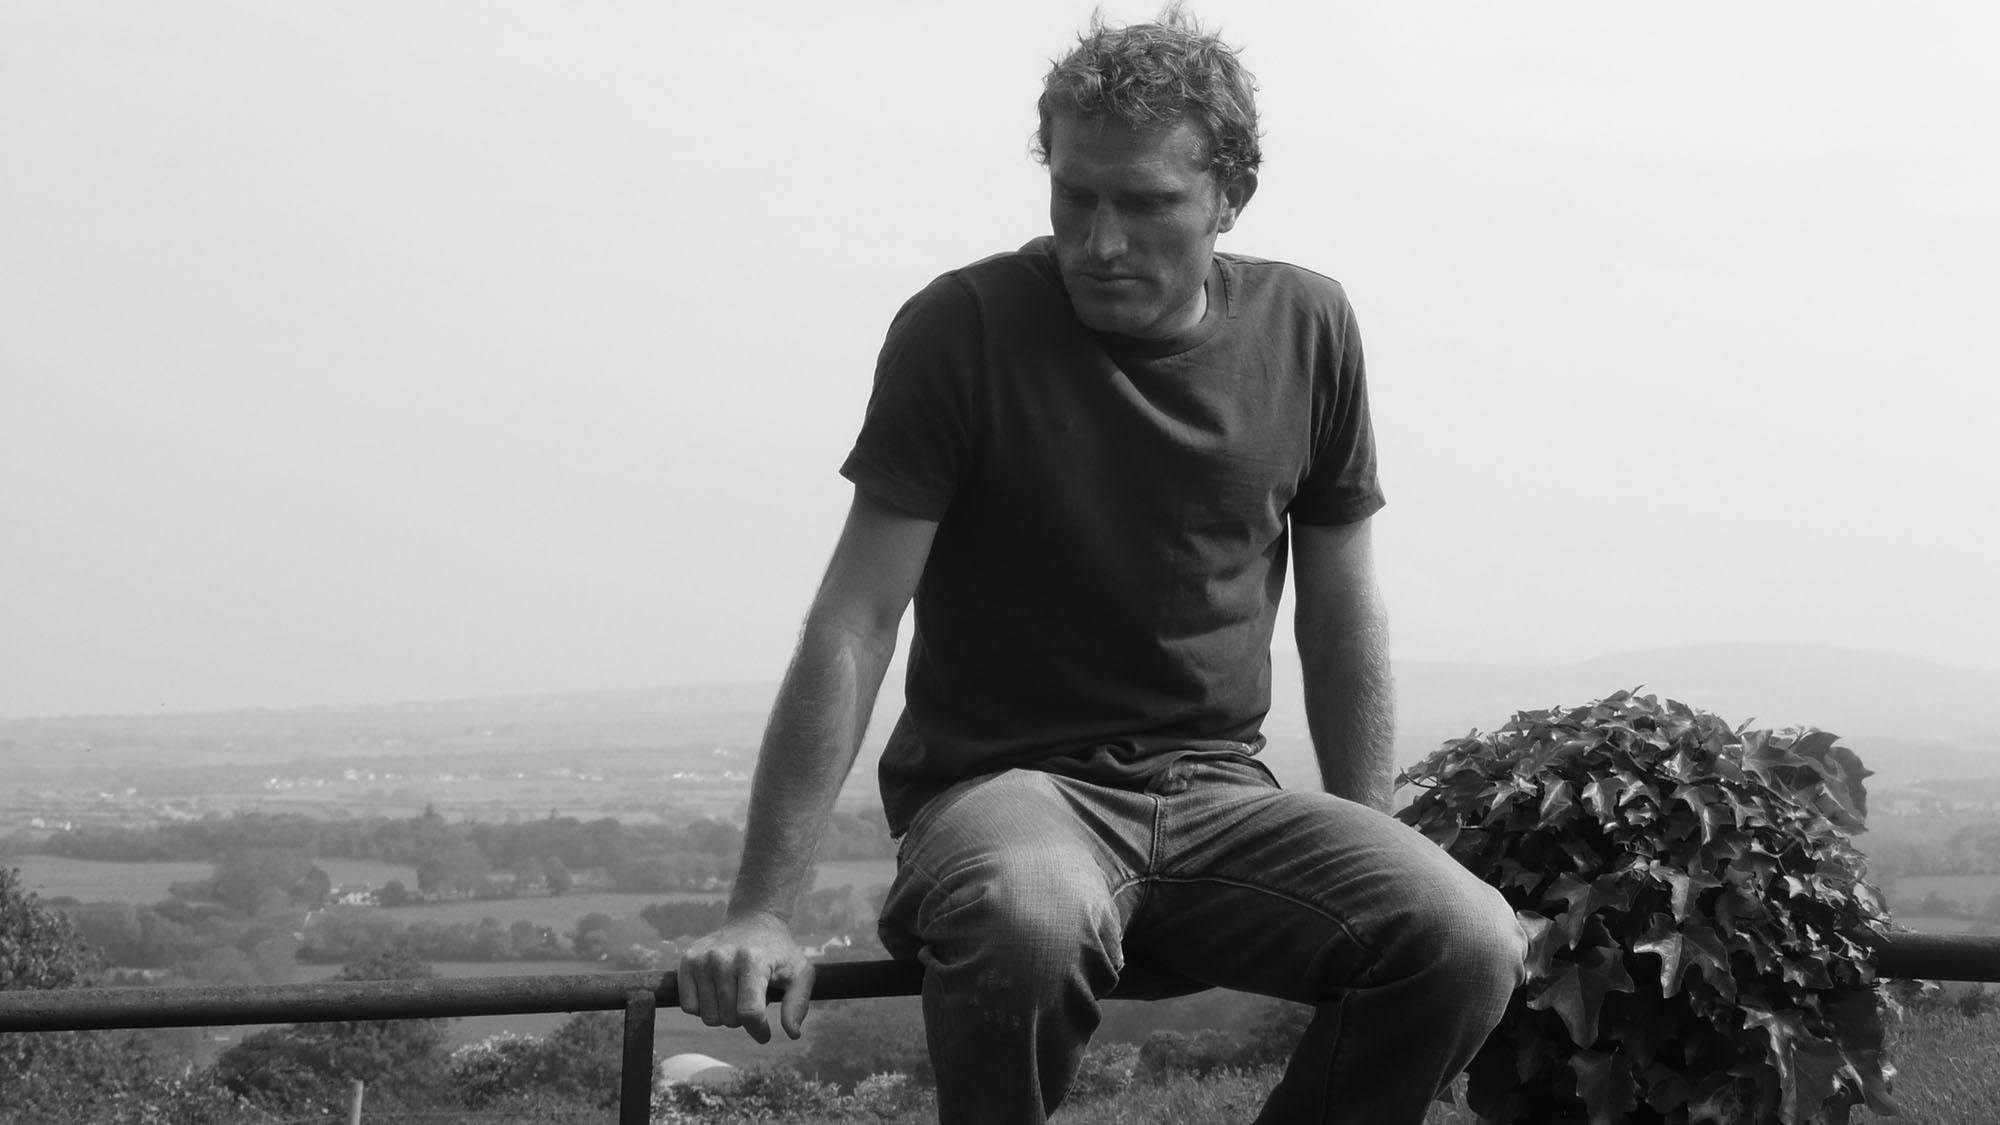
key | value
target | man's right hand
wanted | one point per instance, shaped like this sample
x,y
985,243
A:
x,y
724,977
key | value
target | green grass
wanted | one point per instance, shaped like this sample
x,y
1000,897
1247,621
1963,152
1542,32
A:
x,y
1948,1067
1949,1075
91,880
1947,1062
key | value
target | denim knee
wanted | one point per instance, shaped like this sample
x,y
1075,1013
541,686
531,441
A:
x,y
1468,933
1025,914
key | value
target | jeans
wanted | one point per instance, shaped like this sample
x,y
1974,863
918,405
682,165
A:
x,y
1023,893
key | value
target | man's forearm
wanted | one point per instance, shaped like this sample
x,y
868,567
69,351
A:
x,y
1351,709
809,746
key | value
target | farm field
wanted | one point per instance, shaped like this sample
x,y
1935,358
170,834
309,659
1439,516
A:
x,y
559,912
96,880
1975,891
91,880
677,1033
1930,924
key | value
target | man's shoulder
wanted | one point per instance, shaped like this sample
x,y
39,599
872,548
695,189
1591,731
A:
x,y
1032,267
1006,286
1266,277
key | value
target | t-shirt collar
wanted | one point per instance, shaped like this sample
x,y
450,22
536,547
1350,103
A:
x,y
1212,320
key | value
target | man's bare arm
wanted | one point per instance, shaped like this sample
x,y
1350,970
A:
x,y
1343,636
809,747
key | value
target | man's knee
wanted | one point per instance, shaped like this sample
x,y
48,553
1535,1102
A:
x,y
1037,911
1472,937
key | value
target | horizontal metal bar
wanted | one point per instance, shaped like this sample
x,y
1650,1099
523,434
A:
x,y
78,1009
1957,957
1960,957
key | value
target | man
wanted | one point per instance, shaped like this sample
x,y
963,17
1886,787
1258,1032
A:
x,y
1090,462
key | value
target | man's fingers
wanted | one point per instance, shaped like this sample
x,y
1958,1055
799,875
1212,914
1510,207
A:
x,y
701,987
798,997
690,994
752,977
718,1002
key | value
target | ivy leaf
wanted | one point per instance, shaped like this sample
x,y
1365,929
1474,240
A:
x,y
1602,795
1807,1064
1542,943
1682,948
1840,794
1576,894
1605,1083
1720,1105
1855,1014
1576,990
1767,757
1556,804
1735,906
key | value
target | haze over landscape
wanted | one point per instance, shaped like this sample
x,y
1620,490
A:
x,y
419,351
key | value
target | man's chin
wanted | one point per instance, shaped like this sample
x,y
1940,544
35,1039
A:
x,y
1113,320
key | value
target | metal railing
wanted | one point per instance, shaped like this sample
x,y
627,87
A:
x,y
1921,956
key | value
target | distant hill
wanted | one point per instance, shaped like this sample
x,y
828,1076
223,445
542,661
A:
x,y
684,719
1909,719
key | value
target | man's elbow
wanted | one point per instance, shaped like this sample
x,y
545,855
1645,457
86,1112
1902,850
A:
x,y
1343,626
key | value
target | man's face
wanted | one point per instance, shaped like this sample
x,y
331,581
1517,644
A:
x,y
1135,217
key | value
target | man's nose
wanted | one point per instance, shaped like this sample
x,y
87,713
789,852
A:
x,y
1107,235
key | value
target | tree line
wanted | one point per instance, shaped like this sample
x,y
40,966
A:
x,y
459,857
269,902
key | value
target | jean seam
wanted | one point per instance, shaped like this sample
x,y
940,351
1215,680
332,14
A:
x,y
1347,928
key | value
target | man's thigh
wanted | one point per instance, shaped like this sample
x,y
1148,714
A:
x,y
1295,894
1035,848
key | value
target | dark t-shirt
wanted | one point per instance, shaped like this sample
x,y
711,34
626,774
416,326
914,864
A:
x,y
1111,541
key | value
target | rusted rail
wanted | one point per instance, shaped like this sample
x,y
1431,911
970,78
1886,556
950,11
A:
x,y
1956,957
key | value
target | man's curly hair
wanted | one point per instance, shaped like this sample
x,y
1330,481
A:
x,y
1153,76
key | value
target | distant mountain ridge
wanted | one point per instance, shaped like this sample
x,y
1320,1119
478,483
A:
x,y
1907,717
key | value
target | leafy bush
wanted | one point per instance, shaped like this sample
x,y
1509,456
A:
x,y
1106,1071
309,1067
578,1062
1198,1053
1271,1040
781,1095
848,1040
1698,918
108,1077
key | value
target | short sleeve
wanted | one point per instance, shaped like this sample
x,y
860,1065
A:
x,y
1341,484
916,444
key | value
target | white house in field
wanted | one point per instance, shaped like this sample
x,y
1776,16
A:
x,y
697,1070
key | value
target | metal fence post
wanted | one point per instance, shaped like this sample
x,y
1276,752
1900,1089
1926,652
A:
x,y
635,1076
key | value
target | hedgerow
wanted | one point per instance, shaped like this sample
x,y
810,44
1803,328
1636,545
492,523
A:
x,y
1699,919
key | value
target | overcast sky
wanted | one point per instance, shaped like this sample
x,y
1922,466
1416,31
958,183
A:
x,y
396,350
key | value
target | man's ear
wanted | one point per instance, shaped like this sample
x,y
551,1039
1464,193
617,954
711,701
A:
x,y
1235,197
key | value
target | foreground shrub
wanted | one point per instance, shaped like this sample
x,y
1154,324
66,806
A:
x,y
783,1095
103,1077
1195,1053
1106,1071
579,1061
848,1040
310,1067
1698,917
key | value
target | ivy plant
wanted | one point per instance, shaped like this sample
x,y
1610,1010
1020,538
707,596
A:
x,y
1698,917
